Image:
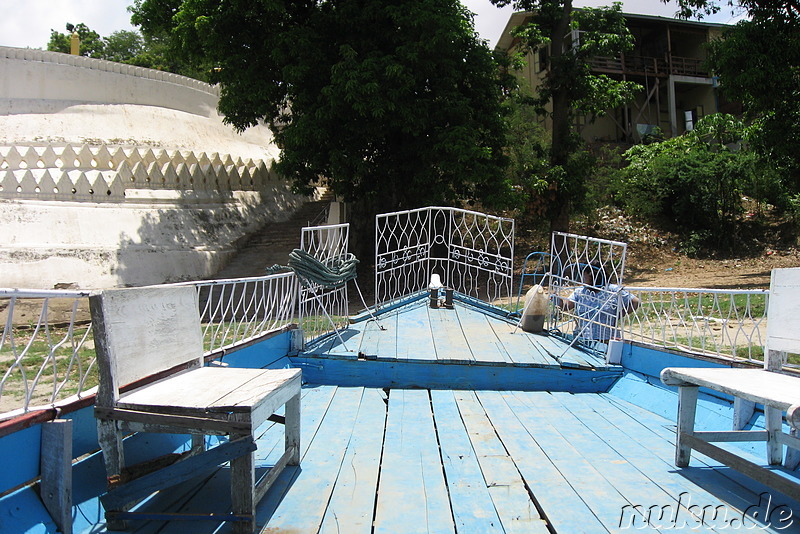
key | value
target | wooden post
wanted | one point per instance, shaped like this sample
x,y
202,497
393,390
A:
x,y
198,443
658,96
243,482
774,425
687,406
774,360
56,469
292,428
743,411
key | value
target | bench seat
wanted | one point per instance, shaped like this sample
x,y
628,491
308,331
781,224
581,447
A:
x,y
149,345
773,389
216,392
777,392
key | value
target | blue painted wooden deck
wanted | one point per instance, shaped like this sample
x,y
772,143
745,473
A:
x,y
461,348
462,335
423,461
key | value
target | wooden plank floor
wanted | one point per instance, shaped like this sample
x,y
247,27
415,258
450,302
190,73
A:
x,y
407,461
463,335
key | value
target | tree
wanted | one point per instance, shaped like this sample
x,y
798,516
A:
x,y
758,64
91,43
527,148
394,105
695,182
123,46
153,52
574,38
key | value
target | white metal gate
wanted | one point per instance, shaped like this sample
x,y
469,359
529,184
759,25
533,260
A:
x,y
472,252
595,268
326,244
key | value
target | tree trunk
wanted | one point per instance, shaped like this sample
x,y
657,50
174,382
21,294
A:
x,y
362,232
560,141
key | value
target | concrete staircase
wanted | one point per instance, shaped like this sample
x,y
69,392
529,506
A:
x,y
272,244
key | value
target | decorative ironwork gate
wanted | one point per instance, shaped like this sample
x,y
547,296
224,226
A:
x,y
327,244
472,252
587,272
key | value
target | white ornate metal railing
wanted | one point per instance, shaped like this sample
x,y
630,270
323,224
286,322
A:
x,y
472,252
47,350
585,273
573,253
729,324
319,307
237,311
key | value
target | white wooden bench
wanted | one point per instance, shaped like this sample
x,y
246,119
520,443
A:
x,y
148,332
776,391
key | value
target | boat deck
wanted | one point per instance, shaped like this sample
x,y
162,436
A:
x,y
464,334
415,346
482,461
446,421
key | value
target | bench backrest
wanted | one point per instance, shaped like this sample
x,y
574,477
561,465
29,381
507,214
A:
x,y
783,314
142,331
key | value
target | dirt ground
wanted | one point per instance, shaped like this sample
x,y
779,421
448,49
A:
x,y
654,258
658,268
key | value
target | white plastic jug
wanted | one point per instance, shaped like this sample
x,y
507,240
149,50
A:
x,y
535,309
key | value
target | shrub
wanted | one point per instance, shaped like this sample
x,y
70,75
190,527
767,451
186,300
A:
x,y
696,181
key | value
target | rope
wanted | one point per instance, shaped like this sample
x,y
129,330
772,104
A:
x,y
330,274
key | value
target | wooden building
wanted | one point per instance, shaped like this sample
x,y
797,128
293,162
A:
x,y
669,62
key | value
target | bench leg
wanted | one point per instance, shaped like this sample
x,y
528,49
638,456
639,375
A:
x,y
292,429
243,481
774,425
687,406
198,443
110,439
111,443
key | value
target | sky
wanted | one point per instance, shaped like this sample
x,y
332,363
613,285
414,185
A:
x,y
27,23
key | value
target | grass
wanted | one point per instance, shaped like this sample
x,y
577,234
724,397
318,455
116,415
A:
x,y
710,305
49,358
686,312
317,325
227,333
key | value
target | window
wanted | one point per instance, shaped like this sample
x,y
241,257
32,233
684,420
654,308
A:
x,y
540,59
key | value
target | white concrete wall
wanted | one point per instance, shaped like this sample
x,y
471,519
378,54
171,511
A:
x,y
147,229
82,79
87,245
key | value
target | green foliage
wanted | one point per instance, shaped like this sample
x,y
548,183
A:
x,y
696,181
91,43
528,152
769,88
602,183
537,182
155,51
123,46
571,88
395,105
758,61
599,32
